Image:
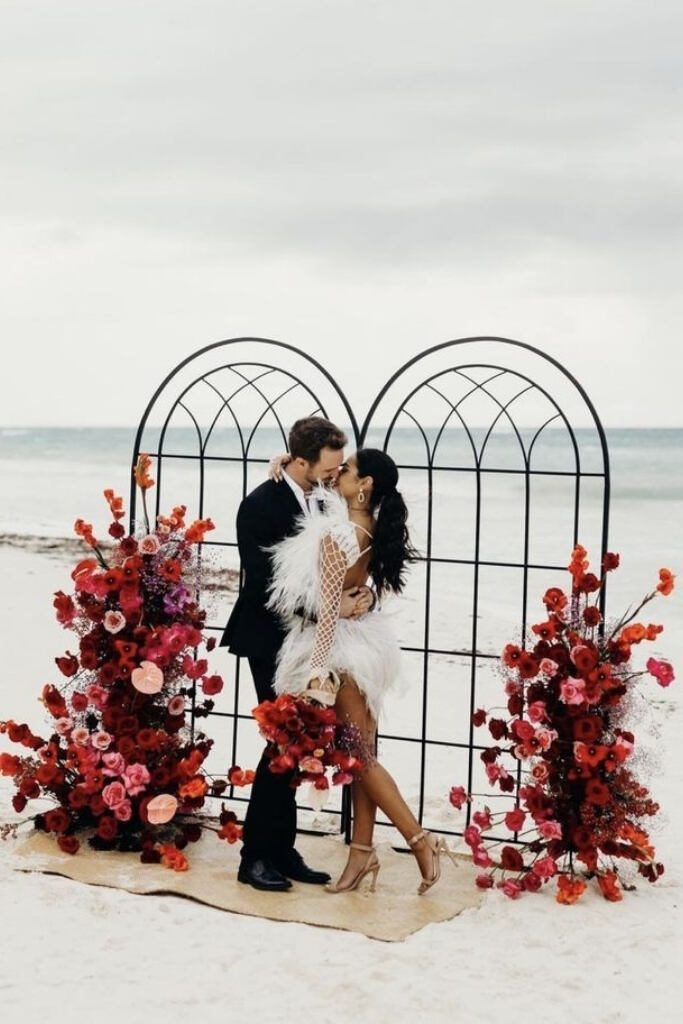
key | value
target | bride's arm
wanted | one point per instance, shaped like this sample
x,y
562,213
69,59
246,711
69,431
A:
x,y
332,572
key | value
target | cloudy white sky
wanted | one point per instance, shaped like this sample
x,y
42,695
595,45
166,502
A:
x,y
360,178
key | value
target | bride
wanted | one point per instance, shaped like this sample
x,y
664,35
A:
x,y
351,663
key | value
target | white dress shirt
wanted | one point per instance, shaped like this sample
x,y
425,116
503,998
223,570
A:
x,y
308,502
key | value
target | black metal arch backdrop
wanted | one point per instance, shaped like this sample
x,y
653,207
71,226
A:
x,y
504,466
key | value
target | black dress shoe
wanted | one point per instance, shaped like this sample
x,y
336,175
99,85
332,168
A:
x,y
293,866
262,874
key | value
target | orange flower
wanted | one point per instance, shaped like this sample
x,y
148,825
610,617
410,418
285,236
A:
x,y
193,789
141,472
609,886
239,777
176,521
569,890
230,831
84,530
196,531
171,857
666,582
579,563
115,504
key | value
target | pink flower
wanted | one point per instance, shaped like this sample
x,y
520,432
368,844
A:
x,y
661,670
495,772
114,794
484,881
548,667
147,678
540,771
97,695
63,725
313,765
550,829
123,811
482,819
115,763
161,809
515,819
149,545
480,857
176,705
545,867
79,701
135,778
472,835
511,888
113,621
457,796
342,778
536,711
512,688
545,737
101,740
80,736
572,691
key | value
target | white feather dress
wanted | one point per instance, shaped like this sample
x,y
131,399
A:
x,y
308,576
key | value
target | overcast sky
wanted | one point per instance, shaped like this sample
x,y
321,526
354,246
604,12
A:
x,y
360,178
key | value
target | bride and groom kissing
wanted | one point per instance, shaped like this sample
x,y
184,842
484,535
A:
x,y
310,538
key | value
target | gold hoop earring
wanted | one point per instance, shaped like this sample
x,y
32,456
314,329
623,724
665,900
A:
x,y
361,497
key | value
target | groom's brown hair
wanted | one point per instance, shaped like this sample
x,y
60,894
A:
x,y
310,435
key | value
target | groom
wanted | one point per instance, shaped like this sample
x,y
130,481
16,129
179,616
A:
x,y
265,516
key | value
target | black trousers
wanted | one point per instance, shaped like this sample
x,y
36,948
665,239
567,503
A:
x,y
270,822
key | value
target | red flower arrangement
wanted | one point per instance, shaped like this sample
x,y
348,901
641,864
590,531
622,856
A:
x,y
119,759
307,739
578,808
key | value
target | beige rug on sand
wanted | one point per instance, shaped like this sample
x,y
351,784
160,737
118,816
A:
x,y
392,913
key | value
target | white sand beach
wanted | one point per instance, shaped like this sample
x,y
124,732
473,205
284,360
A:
x,y
66,948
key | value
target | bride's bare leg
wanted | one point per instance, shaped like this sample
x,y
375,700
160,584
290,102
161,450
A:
x,y
377,787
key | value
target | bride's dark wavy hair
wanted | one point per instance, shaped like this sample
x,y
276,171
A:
x,y
391,546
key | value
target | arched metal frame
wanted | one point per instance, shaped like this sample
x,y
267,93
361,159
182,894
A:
x,y
251,374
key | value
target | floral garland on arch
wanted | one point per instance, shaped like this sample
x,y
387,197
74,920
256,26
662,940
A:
x,y
119,759
578,808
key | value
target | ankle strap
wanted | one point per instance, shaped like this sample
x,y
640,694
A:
x,y
359,846
417,838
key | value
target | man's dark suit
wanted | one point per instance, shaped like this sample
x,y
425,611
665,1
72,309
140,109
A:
x,y
264,517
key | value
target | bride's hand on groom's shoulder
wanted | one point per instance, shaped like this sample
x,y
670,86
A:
x,y
276,466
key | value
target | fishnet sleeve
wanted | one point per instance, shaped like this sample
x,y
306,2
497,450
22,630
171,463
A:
x,y
332,573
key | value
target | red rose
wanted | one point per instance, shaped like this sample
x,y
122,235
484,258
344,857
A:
x,y
68,665
116,530
588,583
128,546
107,827
610,561
97,804
29,788
479,717
511,859
527,665
69,844
18,802
57,820
592,616
515,819
498,728
212,685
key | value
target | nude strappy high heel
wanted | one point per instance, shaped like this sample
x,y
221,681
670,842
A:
x,y
371,866
437,846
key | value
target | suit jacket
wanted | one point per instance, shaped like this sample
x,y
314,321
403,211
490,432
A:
x,y
264,517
